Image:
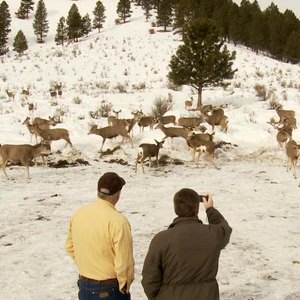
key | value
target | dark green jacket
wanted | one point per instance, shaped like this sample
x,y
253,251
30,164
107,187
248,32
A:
x,y
182,261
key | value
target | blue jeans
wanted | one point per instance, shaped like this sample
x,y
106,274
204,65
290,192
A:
x,y
92,291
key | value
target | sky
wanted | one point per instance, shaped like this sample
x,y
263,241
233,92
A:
x,y
252,187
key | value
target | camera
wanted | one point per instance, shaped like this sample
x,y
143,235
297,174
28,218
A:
x,y
201,197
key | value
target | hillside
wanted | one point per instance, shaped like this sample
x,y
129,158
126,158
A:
x,y
126,66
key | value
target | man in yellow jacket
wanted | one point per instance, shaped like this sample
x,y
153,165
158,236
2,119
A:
x,y
100,243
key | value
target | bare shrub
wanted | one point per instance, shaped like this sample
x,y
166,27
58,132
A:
x,y
160,107
77,100
121,88
139,86
274,102
153,24
261,91
151,30
102,85
103,111
174,87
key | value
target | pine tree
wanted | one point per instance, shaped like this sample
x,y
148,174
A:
x,y
5,20
147,5
123,9
99,16
40,23
203,59
74,23
292,47
25,7
61,32
164,14
86,24
20,42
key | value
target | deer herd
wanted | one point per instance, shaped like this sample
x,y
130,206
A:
x,y
189,129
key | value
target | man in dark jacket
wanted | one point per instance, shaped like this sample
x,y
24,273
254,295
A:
x,y
182,261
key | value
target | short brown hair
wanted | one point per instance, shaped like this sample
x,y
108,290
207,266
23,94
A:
x,y
186,202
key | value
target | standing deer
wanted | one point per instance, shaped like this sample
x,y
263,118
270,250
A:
x,y
217,118
146,121
190,122
111,119
148,151
25,92
282,137
11,95
31,128
23,154
110,132
55,134
188,104
53,93
172,132
292,150
44,123
283,114
196,140
164,120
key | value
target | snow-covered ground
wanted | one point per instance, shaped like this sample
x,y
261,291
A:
x,y
252,188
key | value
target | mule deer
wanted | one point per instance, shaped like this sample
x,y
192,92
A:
x,y
110,119
148,151
110,132
293,152
283,114
164,120
44,123
188,104
209,149
54,134
23,154
172,132
11,95
25,92
292,122
190,122
53,93
217,118
195,140
283,137
31,128
146,121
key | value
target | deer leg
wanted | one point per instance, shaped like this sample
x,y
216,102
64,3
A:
x,y
142,163
102,144
3,168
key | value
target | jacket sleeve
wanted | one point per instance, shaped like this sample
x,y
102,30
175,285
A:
x,y
69,243
220,226
124,261
152,270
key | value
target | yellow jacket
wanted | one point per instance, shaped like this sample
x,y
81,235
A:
x,y
100,242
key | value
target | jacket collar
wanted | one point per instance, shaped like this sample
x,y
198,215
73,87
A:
x,y
182,220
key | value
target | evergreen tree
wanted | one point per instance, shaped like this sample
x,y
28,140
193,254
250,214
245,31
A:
x,y
5,20
202,60
292,47
61,32
74,23
164,14
40,22
123,9
20,42
99,16
147,6
25,7
86,24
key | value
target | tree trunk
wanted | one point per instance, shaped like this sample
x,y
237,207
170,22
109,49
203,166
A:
x,y
199,103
